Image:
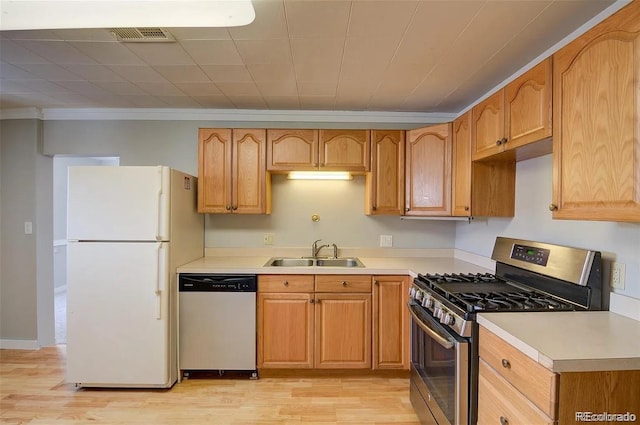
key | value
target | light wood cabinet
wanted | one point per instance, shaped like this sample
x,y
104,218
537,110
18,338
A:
x,y
285,321
343,331
232,171
516,116
345,150
307,321
385,183
461,177
596,123
391,322
428,171
312,150
513,388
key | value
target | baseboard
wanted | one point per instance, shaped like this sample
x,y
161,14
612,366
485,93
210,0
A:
x,y
18,344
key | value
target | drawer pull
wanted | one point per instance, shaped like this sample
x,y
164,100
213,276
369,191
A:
x,y
286,283
503,421
344,283
506,364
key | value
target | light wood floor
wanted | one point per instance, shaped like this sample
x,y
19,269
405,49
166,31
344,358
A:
x,y
33,391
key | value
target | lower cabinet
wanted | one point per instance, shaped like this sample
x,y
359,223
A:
x,y
332,322
514,389
391,322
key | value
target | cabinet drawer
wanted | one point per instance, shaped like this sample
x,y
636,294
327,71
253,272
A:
x,y
285,283
536,382
343,283
499,402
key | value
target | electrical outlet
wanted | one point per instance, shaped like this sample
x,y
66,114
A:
x,y
28,228
618,274
268,238
386,241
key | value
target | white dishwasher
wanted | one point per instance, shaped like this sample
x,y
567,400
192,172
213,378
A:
x,y
217,323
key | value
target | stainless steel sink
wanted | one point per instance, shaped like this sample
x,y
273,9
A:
x,y
290,262
339,262
310,262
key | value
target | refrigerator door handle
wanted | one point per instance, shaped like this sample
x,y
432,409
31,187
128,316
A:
x,y
161,279
163,204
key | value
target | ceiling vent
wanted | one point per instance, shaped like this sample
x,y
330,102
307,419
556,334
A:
x,y
142,35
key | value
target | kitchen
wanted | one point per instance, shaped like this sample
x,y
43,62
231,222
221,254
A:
x,y
125,138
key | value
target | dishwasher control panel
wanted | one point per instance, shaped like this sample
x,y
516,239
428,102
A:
x,y
196,282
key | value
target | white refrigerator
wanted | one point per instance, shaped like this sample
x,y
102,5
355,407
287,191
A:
x,y
128,229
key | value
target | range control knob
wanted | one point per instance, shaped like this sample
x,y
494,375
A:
x,y
448,319
437,312
419,295
412,293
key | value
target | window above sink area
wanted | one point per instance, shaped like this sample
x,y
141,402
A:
x,y
314,262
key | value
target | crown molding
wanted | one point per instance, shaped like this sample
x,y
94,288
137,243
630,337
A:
x,y
407,119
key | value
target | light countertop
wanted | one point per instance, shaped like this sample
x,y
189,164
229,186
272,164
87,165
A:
x,y
571,341
373,265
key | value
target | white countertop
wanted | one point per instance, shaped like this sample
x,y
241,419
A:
x,y
373,265
571,341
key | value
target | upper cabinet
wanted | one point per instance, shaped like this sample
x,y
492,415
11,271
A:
x,y
345,150
292,150
330,150
232,171
461,165
385,183
515,116
481,188
428,171
596,124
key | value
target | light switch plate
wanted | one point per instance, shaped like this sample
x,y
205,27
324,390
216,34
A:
x,y
28,227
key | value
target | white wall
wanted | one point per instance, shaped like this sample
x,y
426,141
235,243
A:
x,y
616,241
340,205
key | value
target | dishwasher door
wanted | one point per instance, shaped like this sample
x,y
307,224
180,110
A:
x,y
217,329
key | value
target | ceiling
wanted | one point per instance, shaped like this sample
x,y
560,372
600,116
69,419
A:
x,y
336,55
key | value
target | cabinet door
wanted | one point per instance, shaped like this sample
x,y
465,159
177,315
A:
x,y
285,330
214,170
461,167
428,174
528,106
249,172
390,322
345,150
488,126
385,184
292,150
343,331
596,124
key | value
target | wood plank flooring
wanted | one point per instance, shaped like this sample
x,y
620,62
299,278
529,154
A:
x,y
33,391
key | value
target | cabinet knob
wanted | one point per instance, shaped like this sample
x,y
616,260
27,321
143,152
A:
x,y
503,421
318,301
235,207
373,208
506,364
501,141
286,283
553,207
344,283
406,210
375,282
227,207
466,208
311,301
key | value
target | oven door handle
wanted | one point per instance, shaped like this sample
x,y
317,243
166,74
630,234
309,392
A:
x,y
440,339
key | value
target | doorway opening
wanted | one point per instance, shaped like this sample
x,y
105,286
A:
x,y
61,163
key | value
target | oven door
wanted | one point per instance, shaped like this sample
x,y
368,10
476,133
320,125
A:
x,y
439,371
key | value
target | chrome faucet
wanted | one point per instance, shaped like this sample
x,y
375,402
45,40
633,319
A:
x,y
315,249
335,250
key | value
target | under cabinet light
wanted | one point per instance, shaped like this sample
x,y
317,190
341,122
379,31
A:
x,y
320,175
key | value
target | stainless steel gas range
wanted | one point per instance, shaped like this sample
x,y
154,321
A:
x,y
529,276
